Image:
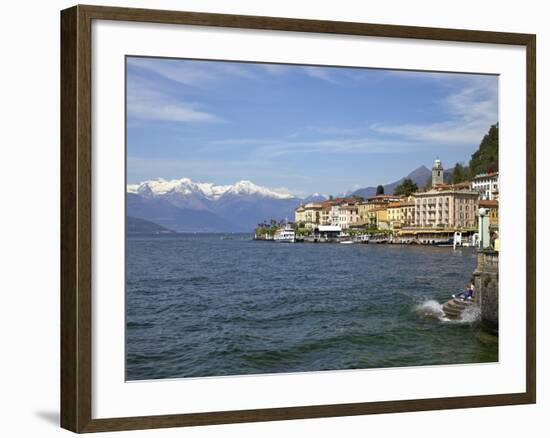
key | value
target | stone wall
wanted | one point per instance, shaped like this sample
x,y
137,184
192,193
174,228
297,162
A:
x,y
486,284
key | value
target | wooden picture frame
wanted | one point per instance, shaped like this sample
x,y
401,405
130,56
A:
x,y
76,217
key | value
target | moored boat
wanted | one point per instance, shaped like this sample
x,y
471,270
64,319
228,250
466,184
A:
x,y
285,234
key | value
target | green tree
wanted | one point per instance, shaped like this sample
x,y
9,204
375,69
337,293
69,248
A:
x,y
379,190
406,188
460,174
485,159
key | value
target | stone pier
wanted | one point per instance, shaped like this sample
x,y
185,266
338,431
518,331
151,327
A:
x,y
486,287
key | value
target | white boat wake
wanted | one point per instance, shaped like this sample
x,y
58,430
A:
x,y
432,309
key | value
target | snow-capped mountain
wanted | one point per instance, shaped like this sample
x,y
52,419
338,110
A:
x,y
186,186
186,205
315,197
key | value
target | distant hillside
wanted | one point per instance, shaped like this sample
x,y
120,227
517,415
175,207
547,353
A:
x,y
485,159
419,176
135,225
163,212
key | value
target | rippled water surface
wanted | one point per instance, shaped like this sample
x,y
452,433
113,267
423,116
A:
x,y
205,305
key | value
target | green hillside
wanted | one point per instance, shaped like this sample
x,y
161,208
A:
x,y
485,159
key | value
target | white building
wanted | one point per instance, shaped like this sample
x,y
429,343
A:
x,y
486,184
349,216
335,215
446,207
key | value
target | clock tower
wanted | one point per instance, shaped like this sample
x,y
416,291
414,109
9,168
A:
x,y
437,173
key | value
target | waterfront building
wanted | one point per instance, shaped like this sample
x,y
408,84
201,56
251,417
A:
x,y
437,173
408,212
334,216
401,213
300,215
426,236
332,213
486,184
311,214
325,214
446,206
378,217
374,202
395,214
491,207
327,231
383,199
365,209
349,215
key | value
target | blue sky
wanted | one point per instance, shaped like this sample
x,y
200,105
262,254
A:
x,y
306,129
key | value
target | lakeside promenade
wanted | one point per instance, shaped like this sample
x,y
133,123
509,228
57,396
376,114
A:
x,y
412,236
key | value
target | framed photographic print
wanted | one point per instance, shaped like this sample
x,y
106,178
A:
x,y
269,218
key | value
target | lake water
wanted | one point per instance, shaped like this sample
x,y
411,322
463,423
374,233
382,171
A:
x,y
204,305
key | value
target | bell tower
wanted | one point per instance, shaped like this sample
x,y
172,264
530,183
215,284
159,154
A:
x,y
437,173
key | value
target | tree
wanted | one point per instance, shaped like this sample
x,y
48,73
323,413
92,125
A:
x,y
485,159
379,190
406,188
460,174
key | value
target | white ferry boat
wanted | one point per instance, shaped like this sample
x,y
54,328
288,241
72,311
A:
x,y
285,234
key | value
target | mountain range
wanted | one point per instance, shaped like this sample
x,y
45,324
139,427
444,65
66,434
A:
x,y
187,206
142,226
419,176
184,205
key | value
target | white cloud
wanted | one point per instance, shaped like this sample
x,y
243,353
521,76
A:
x,y
144,103
276,69
472,109
332,130
192,73
320,73
266,149
168,112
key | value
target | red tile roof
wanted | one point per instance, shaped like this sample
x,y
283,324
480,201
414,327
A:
x,y
488,203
